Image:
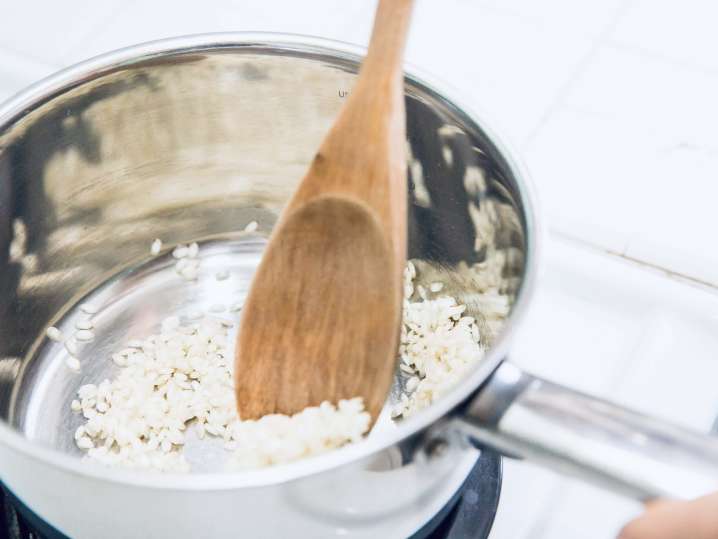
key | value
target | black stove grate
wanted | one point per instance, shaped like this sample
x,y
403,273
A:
x,y
470,514
19,522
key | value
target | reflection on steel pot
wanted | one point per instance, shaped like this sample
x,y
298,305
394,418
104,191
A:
x,y
185,138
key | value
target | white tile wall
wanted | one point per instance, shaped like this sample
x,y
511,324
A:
x,y
641,161
348,20
18,71
511,67
623,332
584,512
585,17
613,105
528,496
46,30
683,31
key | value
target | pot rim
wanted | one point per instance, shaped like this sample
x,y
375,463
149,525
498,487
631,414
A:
x,y
29,99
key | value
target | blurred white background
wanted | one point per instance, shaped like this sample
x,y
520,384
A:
x,y
612,104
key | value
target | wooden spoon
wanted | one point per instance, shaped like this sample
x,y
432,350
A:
x,y
322,319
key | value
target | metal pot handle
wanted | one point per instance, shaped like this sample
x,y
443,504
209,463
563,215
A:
x,y
595,440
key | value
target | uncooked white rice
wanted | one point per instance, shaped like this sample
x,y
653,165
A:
x,y
180,251
84,335
193,250
439,343
89,308
71,347
72,363
156,247
187,265
181,378
84,324
436,287
54,334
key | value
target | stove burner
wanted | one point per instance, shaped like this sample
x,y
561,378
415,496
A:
x,y
469,514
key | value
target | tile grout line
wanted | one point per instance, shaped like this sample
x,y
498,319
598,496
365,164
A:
x,y
659,56
601,39
676,276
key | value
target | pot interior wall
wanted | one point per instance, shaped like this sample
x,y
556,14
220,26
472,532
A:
x,y
191,146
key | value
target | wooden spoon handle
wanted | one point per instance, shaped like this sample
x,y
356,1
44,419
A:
x,y
388,41
364,153
322,319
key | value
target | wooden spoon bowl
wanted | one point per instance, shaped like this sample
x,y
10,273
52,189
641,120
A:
x,y
321,321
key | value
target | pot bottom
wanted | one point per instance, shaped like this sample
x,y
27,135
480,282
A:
x,y
469,514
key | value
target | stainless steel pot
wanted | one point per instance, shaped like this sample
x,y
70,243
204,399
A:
x,y
185,138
